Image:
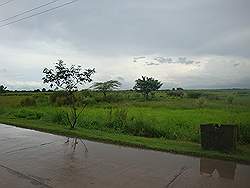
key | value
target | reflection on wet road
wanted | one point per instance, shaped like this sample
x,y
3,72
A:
x,y
225,169
33,159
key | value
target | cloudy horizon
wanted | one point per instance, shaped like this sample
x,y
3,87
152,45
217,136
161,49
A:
x,y
194,44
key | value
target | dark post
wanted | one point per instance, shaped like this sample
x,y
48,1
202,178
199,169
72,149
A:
x,y
229,137
219,137
207,136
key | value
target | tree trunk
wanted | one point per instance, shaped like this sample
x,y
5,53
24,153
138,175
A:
x,y
73,116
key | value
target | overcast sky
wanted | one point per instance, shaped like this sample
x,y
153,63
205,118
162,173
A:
x,y
190,44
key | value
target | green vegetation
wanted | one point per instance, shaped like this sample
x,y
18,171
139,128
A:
x,y
2,89
68,80
147,86
106,87
167,122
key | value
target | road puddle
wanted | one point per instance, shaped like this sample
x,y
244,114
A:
x,y
34,159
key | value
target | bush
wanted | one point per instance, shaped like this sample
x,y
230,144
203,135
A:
x,y
244,133
117,119
201,102
89,124
59,117
41,99
242,93
28,114
175,93
194,95
86,100
142,127
86,93
230,99
2,110
59,98
28,101
212,97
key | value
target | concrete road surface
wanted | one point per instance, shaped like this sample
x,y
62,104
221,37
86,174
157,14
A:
x,y
31,159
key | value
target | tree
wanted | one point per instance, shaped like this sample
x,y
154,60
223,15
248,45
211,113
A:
x,y
107,86
37,90
146,86
68,79
2,89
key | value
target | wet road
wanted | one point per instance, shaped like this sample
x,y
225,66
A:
x,y
31,159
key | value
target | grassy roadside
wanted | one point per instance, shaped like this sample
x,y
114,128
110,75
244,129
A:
x,y
187,148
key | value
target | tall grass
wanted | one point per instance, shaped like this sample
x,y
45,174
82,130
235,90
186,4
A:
x,y
172,118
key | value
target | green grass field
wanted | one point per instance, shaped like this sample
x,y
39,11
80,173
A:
x,y
125,118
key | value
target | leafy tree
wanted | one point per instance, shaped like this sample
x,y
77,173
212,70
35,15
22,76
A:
x,y
68,79
147,86
37,90
107,86
2,89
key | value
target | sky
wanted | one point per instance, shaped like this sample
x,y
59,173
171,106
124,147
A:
x,y
191,44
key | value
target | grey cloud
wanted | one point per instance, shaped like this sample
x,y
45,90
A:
x,y
125,83
3,70
165,60
114,29
179,60
138,58
134,26
236,64
183,60
120,78
152,63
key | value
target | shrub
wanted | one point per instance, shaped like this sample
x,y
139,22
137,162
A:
x,y
175,93
117,119
59,98
194,95
2,110
244,133
141,127
86,93
89,123
59,117
242,93
28,114
86,100
230,99
201,102
28,101
41,99
212,97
